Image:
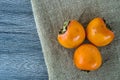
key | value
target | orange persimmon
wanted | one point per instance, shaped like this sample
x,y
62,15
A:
x,y
72,34
98,33
87,57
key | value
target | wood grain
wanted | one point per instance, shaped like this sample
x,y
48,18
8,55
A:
x,y
21,56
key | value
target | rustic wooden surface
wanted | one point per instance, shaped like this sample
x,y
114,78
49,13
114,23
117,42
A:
x,y
21,57
49,17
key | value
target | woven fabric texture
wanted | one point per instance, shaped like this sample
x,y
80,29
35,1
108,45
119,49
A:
x,y
49,17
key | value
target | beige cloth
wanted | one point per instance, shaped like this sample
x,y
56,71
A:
x,y
49,17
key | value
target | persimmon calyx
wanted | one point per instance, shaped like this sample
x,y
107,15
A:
x,y
107,25
64,28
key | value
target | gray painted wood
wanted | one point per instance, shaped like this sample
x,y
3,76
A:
x,y
21,56
49,17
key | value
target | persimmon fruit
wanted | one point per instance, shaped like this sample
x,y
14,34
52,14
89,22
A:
x,y
72,34
98,33
87,57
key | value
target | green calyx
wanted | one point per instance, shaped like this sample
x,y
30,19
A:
x,y
64,28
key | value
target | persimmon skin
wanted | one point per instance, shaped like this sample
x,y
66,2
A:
x,y
98,33
74,35
87,57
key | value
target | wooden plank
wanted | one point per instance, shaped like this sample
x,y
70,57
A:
x,y
21,56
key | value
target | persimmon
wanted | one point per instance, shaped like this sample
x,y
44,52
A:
x,y
98,33
72,34
87,57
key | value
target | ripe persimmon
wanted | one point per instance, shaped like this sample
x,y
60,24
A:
x,y
72,34
87,57
98,33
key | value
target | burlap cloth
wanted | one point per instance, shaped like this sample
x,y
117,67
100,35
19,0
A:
x,y
49,17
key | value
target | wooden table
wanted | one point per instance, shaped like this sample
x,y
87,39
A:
x,y
21,57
